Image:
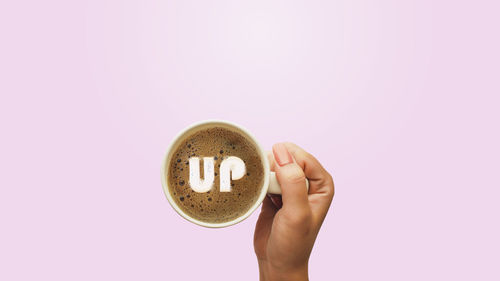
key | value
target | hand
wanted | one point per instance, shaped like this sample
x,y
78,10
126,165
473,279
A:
x,y
284,235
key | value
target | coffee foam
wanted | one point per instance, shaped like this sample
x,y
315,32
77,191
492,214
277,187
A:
x,y
220,145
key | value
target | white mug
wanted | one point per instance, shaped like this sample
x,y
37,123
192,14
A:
x,y
270,184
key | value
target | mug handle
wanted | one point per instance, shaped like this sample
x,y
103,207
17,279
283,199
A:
x,y
274,186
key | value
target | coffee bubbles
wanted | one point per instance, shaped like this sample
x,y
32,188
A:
x,y
215,175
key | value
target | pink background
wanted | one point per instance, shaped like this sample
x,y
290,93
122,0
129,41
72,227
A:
x,y
398,99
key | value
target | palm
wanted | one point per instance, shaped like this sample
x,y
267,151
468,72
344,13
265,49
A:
x,y
275,232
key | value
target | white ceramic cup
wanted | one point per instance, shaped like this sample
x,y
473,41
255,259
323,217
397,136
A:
x,y
270,184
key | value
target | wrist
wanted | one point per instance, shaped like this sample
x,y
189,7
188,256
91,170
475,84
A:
x,y
269,273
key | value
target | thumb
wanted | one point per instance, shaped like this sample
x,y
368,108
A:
x,y
291,178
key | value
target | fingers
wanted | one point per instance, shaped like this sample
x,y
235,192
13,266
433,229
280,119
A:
x,y
264,225
319,179
276,199
291,178
321,187
267,213
268,209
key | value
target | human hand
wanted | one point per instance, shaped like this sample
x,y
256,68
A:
x,y
287,227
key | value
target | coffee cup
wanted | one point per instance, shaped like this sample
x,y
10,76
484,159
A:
x,y
236,174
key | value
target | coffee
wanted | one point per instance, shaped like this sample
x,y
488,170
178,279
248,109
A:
x,y
215,206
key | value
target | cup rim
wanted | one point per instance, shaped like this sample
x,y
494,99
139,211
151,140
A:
x,y
172,145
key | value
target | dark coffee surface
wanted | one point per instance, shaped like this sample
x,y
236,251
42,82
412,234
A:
x,y
215,206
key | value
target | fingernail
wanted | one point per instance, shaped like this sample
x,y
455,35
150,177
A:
x,y
281,154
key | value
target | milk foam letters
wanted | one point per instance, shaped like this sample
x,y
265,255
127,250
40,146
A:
x,y
230,168
196,183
